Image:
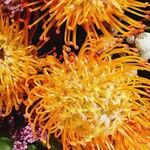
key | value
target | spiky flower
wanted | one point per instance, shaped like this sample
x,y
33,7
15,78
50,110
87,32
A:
x,y
17,62
91,14
93,101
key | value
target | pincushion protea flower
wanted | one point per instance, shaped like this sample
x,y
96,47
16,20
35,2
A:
x,y
91,14
92,101
17,62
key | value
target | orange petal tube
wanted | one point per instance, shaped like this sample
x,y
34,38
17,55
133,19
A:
x,y
93,101
91,14
17,62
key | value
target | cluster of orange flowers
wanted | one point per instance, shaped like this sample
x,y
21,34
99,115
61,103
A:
x,y
93,100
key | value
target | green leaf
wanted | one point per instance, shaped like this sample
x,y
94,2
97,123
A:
x,y
53,147
5,143
32,147
55,144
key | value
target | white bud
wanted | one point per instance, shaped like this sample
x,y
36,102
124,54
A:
x,y
142,42
130,39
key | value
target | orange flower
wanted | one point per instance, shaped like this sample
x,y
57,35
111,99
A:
x,y
17,62
91,14
92,101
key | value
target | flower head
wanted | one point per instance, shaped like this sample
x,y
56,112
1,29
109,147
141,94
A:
x,y
91,14
17,62
93,100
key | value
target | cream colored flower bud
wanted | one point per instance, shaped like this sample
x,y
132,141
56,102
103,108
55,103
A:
x,y
142,42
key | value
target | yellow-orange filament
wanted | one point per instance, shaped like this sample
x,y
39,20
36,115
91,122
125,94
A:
x,y
93,100
90,14
17,62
